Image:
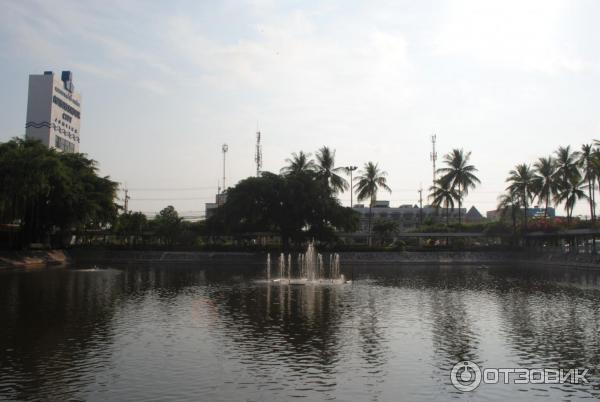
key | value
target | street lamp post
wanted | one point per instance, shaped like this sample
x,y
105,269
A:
x,y
351,169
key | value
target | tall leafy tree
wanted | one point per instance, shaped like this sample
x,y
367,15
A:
x,y
545,183
300,162
368,183
327,171
131,224
521,180
443,195
47,192
586,163
459,174
297,206
167,225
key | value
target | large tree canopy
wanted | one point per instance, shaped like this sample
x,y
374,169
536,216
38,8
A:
x,y
45,191
297,206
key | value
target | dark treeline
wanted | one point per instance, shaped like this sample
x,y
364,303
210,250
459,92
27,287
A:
x,y
47,193
59,199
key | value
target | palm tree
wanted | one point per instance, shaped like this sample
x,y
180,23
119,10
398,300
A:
x,y
441,194
567,174
521,180
326,170
570,192
596,168
586,163
566,164
458,174
299,163
368,182
509,202
544,181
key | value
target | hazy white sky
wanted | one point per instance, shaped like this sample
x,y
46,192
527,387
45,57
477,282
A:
x,y
164,84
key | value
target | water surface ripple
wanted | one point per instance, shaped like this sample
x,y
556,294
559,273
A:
x,y
217,334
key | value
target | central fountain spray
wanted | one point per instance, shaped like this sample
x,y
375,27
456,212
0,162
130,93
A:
x,y
310,268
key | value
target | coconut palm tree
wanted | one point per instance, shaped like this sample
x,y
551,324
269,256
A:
x,y
586,163
368,183
443,195
566,164
326,169
567,175
299,163
570,192
459,174
509,203
521,180
596,166
544,181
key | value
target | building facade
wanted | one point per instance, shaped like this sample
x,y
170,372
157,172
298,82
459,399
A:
x,y
407,216
54,111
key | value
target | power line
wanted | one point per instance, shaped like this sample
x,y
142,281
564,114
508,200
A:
x,y
173,188
172,199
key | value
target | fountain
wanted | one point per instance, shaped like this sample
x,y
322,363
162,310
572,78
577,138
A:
x,y
310,268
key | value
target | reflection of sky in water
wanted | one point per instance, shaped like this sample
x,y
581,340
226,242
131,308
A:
x,y
216,334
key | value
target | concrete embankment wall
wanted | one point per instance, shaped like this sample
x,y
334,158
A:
x,y
32,258
83,256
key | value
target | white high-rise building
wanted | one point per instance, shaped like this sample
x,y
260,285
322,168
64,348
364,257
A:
x,y
54,111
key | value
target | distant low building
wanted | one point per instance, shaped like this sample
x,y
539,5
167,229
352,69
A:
x,y
534,212
408,216
210,208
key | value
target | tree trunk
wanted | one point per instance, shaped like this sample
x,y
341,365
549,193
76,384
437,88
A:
x,y
591,201
546,209
369,227
459,205
447,216
525,212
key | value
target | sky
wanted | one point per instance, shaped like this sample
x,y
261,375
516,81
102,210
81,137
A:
x,y
165,84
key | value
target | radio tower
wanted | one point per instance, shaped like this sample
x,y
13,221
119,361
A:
x,y
433,155
126,203
224,148
258,154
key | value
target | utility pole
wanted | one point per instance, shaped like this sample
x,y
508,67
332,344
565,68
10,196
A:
x,y
421,206
224,148
433,155
351,169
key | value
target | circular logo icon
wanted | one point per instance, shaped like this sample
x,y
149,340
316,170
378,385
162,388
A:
x,y
465,376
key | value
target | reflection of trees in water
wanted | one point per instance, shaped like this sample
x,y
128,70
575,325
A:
x,y
287,338
556,326
372,337
54,324
452,334
300,317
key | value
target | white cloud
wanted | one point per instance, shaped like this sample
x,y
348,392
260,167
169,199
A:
x,y
521,35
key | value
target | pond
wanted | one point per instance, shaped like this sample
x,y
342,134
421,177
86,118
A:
x,y
220,333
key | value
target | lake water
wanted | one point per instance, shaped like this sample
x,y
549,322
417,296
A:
x,y
216,334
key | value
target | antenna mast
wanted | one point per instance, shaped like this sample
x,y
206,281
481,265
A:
x,y
224,148
258,154
126,203
433,155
